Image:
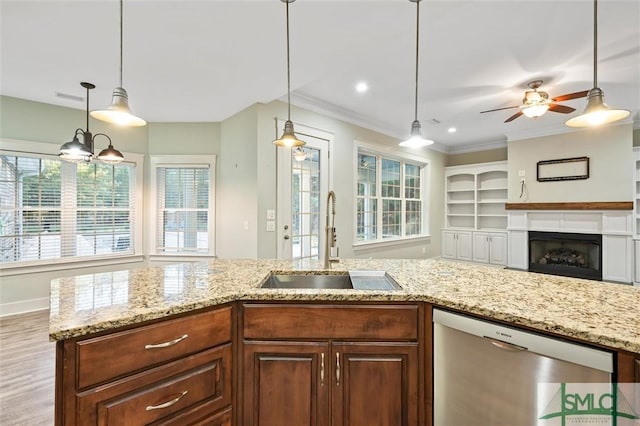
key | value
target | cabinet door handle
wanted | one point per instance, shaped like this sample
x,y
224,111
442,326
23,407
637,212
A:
x,y
337,368
168,403
322,369
167,344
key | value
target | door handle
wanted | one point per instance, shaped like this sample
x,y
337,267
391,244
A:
x,y
337,368
322,369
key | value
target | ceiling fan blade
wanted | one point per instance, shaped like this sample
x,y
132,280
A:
x,y
500,109
570,96
563,109
513,117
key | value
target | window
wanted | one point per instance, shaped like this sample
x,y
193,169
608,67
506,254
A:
x,y
184,204
52,210
390,200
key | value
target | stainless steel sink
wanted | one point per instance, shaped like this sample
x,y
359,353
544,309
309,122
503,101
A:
x,y
356,280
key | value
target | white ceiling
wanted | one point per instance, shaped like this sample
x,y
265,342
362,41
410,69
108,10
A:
x,y
206,60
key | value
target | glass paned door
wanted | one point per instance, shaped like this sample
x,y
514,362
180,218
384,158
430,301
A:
x,y
302,189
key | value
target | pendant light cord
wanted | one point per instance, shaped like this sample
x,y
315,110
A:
x,y
417,56
595,43
288,67
87,110
121,25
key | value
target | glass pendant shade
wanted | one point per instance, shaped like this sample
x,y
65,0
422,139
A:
x,y
75,151
416,140
299,155
119,112
535,111
597,112
288,137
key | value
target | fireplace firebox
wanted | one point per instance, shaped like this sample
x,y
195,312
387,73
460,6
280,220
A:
x,y
566,254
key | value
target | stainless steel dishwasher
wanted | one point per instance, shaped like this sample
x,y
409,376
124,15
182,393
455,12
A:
x,y
487,374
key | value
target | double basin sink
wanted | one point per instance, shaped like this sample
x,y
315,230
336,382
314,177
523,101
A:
x,y
353,280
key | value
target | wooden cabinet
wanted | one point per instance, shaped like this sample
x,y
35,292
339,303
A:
x,y
457,245
490,247
347,365
177,371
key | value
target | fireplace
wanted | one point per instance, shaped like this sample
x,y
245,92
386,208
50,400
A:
x,y
566,254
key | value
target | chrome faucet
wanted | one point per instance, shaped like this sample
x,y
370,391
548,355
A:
x,y
330,232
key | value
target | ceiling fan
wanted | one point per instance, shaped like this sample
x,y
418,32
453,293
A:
x,y
535,103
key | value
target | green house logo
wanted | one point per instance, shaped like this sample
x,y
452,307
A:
x,y
578,404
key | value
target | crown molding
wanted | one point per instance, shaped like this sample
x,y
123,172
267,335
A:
x,y
475,147
556,130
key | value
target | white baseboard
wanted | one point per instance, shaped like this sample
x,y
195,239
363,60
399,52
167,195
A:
x,y
24,306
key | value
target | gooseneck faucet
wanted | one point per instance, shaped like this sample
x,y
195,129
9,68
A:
x,y
330,231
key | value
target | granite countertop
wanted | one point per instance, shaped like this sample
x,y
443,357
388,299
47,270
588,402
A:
x,y
596,312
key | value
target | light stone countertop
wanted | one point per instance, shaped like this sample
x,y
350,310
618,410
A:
x,y
593,311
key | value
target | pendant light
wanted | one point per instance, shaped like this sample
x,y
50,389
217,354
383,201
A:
x,y
416,140
82,152
288,137
119,112
596,111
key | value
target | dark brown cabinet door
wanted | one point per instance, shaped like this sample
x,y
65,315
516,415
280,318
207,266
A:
x,y
286,383
375,384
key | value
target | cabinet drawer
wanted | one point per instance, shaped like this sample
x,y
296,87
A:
x,y
206,376
384,322
103,358
195,418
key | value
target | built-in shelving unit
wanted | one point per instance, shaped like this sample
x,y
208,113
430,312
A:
x,y
476,196
476,219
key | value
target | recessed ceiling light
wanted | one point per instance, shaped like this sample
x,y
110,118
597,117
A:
x,y
452,130
362,87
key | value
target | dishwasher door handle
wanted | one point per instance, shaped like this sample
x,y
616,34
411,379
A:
x,y
505,345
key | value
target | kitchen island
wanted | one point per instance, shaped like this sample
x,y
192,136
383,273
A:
x,y
89,312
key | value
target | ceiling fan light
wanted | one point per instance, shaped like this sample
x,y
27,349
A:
x,y
119,112
299,155
535,111
597,112
75,152
288,137
416,140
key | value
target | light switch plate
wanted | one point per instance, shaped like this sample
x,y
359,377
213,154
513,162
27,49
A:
x,y
271,214
271,226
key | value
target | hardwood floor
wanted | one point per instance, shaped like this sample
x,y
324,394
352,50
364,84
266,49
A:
x,y
27,370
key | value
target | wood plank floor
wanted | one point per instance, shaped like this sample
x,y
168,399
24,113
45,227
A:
x,y
27,370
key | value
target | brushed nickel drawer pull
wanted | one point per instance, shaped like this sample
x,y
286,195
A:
x,y
337,368
166,404
167,344
322,369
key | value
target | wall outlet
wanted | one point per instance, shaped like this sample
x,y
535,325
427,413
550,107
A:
x,y
520,173
271,226
245,225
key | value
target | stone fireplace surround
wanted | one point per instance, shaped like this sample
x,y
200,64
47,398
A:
x,y
615,226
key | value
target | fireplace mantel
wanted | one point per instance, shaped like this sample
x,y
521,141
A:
x,y
615,226
597,205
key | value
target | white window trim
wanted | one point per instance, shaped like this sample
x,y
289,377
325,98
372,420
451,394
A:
x,y
174,161
425,171
40,148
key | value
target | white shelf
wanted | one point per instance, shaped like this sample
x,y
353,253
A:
x,y
476,195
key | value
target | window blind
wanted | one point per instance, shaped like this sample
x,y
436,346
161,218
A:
x,y
51,209
183,209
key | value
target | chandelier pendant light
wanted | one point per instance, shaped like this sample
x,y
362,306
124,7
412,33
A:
x,y
596,112
82,152
119,112
416,140
288,137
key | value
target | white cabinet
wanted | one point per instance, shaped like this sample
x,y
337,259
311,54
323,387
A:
x,y
490,247
456,245
637,260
